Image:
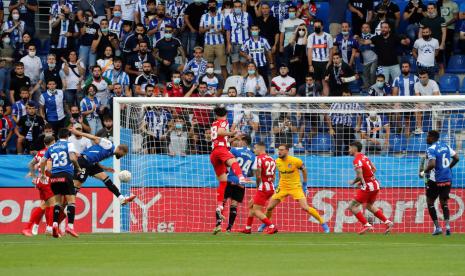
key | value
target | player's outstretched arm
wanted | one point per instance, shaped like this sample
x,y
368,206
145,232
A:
x,y
31,167
94,138
73,157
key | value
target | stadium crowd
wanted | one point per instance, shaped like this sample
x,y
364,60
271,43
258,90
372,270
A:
x,y
96,51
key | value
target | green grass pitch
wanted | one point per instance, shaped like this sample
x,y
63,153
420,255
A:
x,y
233,254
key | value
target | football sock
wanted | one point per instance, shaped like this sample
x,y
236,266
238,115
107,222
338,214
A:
x,y
433,215
232,216
379,214
445,211
314,213
361,218
220,192
36,215
236,169
110,186
49,216
70,211
56,213
76,190
249,223
61,216
218,219
267,221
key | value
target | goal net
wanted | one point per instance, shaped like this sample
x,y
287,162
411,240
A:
x,y
175,184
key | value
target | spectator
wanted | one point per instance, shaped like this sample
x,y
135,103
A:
x,y
362,12
6,131
27,10
283,85
134,63
56,8
280,10
80,143
107,130
144,79
99,8
174,88
72,73
106,62
7,52
343,126
307,12
319,52
64,31
21,47
103,86
211,25
450,13
132,39
140,12
32,65
192,16
116,25
128,9
28,129
288,27
39,143
237,26
117,75
425,51
236,108
413,14
14,27
257,50
90,108
438,28
336,15
381,17
178,138
269,29
425,87
176,11
75,117
369,57
308,120
253,85
375,133
18,80
310,88
247,122
88,30
198,64
215,82
383,45
188,85
165,51
103,39
346,45
155,129
338,75
284,128
203,90
156,27
52,106
19,107
392,11
296,53
252,7
380,88
50,73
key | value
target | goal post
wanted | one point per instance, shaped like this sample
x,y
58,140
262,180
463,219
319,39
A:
x,y
175,184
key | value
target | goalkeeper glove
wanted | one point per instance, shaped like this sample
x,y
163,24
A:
x,y
304,188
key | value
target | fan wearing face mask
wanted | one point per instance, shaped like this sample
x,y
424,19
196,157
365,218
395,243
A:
x,y
380,88
128,9
215,82
391,9
14,27
52,107
32,65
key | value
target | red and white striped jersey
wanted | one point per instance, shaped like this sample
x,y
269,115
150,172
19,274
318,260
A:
x,y
37,158
369,180
219,141
267,165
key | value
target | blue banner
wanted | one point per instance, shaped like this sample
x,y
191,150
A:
x,y
196,171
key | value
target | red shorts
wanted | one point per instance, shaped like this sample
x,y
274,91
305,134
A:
x,y
261,197
218,158
45,190
366,196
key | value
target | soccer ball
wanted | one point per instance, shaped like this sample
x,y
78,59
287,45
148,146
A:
x,y
124,176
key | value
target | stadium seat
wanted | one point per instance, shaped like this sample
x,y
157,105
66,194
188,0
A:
x,y
417,143
43,59
233,81
456,64
38,44
356,86
449,83
457,122
322,142
462,88
450,140
397,143
45,49
265,122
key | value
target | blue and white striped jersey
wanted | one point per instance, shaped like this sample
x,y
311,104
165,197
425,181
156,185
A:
x,y
213,36
117,77
238,25
115,27
198,67
176,11
257,50
320,45
54,107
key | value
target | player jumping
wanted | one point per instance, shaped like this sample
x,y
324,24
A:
x,y
441,159
290,185
369,188
89,162
266,167
234,190
221,158
45,192
64,161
